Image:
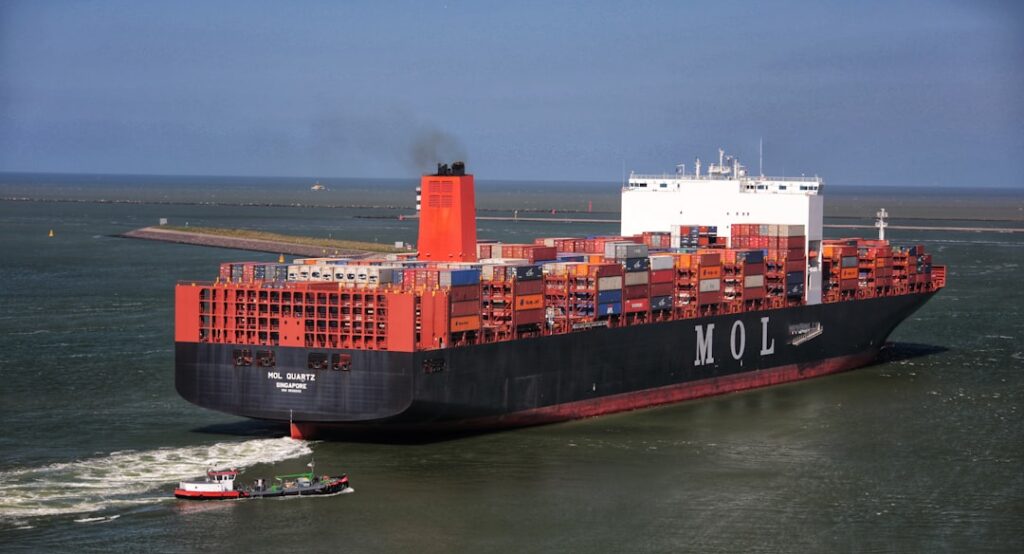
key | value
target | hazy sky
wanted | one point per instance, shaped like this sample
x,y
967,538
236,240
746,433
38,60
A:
x,y
916,93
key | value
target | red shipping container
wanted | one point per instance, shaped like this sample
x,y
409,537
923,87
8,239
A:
x,y
753,268
540,253
792,242
755,293
606,270
706,298
848,284
638,305
707,260
663,289
460,309
527,317
635,291
663,275
533,286
795,265
465,292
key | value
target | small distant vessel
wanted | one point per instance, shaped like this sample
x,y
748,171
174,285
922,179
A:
x,y
318,187
220,485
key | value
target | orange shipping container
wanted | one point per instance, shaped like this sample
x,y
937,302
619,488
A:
x,y
529,302
465,323
848,273
712,272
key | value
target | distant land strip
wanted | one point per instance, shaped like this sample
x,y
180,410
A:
x,y
406,207
259,241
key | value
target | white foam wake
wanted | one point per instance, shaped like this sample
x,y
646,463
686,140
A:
x,y
124,478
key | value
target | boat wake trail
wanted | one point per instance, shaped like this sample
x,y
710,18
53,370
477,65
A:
x,y
126,478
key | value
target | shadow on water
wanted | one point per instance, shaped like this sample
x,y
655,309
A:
x,y
901,351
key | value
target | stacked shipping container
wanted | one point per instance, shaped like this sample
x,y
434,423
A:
x,y
555,285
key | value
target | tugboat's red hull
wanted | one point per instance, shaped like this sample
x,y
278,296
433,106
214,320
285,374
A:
x,y
207,495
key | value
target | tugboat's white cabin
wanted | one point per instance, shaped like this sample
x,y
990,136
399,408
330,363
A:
x,y
216,481
722,195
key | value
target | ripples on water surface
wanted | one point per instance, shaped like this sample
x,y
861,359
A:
x,y
919,453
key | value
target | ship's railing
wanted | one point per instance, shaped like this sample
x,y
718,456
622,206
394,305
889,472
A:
x,y
748,178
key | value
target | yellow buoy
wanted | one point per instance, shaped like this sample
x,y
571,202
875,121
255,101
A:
x,y
51,233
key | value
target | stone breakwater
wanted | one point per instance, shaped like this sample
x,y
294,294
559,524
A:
x,y
240,243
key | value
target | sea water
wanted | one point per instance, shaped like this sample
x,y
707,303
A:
x,y
920,452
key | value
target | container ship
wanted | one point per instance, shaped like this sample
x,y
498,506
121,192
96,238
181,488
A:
x,y
719,281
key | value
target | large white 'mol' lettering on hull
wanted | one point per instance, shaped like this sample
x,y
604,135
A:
x,y
737,341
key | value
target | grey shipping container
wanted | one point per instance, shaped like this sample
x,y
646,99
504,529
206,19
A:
x,y
710,285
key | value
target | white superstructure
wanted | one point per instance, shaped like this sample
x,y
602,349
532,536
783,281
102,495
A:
x,y
725,194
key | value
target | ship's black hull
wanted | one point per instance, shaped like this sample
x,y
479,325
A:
x,y
546,379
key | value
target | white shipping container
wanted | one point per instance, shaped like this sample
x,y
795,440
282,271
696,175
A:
x,y
791,230
753,281
293,273
710,285
610,283
637,278
662,262
321,273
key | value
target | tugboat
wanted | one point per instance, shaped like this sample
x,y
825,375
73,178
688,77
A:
x,y
318,187
220,485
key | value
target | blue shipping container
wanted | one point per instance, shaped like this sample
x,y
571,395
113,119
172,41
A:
x,y
751,256
795,277
465,277
527,272
637,264
609,296
661,303
614,308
